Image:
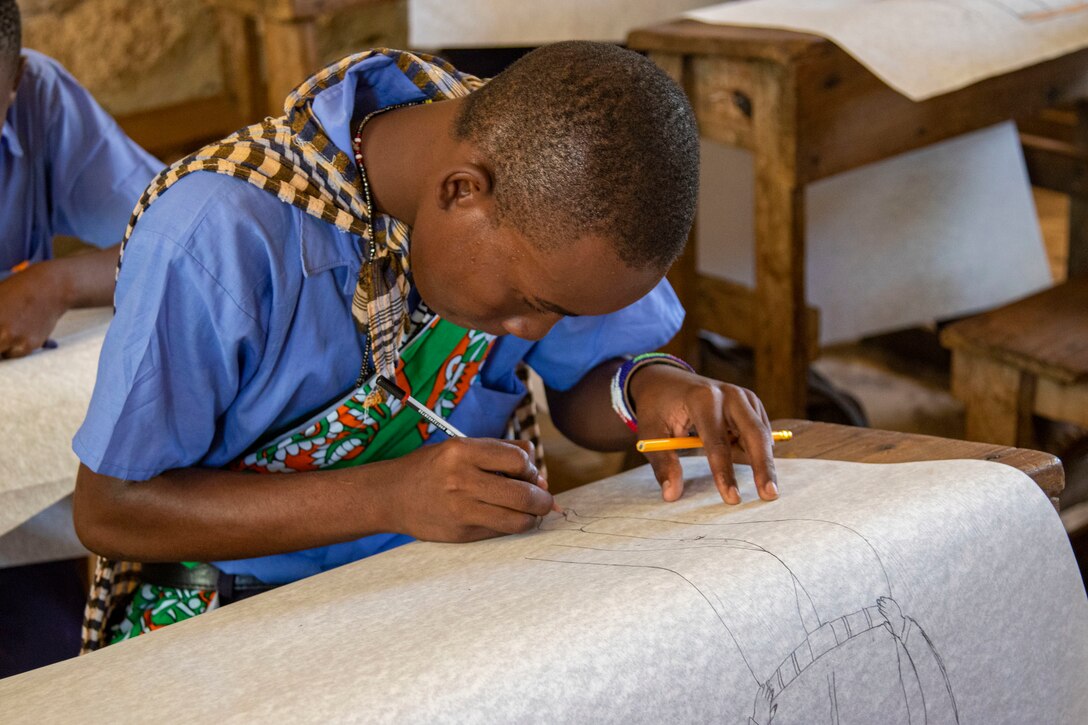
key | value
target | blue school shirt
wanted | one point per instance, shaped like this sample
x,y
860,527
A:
x,y
65,167
234,321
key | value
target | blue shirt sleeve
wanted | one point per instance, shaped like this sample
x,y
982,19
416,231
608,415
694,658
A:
x,y
95,172
177,352
576,345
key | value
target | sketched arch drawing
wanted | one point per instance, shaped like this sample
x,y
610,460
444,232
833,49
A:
x,y
833,635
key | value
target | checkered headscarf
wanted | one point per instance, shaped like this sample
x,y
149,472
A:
x,y
292,157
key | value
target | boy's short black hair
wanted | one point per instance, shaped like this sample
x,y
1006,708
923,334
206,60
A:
x,y
589,138
11,35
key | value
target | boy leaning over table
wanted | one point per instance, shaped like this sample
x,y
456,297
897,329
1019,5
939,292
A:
x,y
407,220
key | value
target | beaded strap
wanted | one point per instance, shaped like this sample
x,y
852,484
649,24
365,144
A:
x,y
621,394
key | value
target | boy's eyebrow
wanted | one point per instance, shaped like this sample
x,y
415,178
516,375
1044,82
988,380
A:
x,y
550,307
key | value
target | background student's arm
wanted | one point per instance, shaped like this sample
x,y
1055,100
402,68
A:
x,y
33,300
458,490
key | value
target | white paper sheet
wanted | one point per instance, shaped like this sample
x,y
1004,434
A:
x,y
526,23
923,48
942,231
45,397
936,592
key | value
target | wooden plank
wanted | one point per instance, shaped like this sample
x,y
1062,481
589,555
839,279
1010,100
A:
x,y
732,310
1068,403
240,58
181,126
694,38
997,399
721,96
781,360
290,57
844,443
1044,334
1078,206
1055,165
849,117
291,10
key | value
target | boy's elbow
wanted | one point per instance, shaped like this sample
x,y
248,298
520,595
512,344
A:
x,y
94,513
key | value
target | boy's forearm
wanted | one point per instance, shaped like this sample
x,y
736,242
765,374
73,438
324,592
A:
x,y
200,514
85,280
584,413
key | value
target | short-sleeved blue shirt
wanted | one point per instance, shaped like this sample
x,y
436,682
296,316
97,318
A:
x,y
234,321
65,167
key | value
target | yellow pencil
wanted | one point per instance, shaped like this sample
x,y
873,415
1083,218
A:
x,y
649,445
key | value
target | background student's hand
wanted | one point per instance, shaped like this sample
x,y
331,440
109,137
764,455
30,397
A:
x,y
671,402
466,489
31,302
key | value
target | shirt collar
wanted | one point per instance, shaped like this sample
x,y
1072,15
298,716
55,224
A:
x,y
372,84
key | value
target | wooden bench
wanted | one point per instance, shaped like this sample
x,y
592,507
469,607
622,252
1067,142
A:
x,y
1026,358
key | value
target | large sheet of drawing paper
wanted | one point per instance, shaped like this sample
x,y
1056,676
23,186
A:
x,y
527,23
912,593
942,231
45,397
923,48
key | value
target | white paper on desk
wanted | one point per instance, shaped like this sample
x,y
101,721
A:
x,y
45,397
946,230
937,592
923,48
528,23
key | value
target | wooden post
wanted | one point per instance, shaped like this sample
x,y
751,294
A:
x,y
683,275
997,399
781,355
1078,204
290,55
240,58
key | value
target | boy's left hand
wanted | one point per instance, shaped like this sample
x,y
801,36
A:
x,y
671,403
30,305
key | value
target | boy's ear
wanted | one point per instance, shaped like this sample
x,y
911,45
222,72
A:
x,y
465,185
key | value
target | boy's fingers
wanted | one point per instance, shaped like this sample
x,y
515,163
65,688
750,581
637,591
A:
x,y
668,472
710,422
514,495
755,438
503,457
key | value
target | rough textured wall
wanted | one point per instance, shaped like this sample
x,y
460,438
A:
x,y
131,54
139,54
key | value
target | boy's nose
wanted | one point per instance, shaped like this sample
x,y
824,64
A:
x,y
531,328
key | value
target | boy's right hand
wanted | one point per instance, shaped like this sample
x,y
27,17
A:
x,y
466,489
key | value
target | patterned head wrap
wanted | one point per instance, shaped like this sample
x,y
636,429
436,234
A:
x,y
292,157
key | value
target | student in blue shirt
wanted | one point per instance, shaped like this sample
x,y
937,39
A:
x,y
536,215
66,168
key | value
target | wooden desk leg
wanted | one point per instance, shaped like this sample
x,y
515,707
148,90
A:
x,y
290,56
997,400
1078,205
240,57
683,275
781,353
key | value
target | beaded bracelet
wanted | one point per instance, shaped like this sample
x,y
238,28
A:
x,y
621,395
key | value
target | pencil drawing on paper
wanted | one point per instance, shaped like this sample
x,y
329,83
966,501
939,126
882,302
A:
x,y
817,626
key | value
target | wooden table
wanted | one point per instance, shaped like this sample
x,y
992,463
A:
x,y
866,445
807,110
